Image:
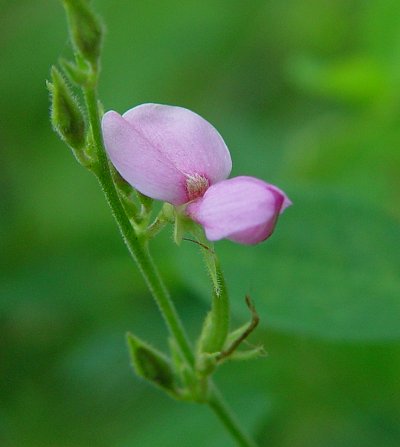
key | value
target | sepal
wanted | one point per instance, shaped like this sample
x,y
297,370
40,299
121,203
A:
x,y
237,337
248,354
180,227
146,203
125,193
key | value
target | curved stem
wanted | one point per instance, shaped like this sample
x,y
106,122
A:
x,y
136,247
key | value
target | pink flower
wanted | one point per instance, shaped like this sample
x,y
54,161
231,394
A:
x,y
172,154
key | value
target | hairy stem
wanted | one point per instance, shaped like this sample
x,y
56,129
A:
x,y
136,247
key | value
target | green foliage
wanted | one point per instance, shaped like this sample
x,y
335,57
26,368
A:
x,y
151,364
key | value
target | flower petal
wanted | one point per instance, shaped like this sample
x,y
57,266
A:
x,y
186,139
242,209
140,163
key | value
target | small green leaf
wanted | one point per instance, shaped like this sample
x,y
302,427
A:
x,y
179,229
151,365
235,334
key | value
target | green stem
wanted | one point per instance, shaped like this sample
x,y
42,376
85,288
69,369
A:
x,y
224,413
216,327
136,247
141,256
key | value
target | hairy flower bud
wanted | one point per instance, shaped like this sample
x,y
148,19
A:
x,y
86,29
66,116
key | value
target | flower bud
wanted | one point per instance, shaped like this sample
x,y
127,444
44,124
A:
x,y
85,29
151,364
66,116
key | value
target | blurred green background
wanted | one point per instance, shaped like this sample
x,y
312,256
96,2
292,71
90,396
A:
x,y
307,96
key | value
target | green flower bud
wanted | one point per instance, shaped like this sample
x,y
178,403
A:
x,y
151,365
66,116
85,28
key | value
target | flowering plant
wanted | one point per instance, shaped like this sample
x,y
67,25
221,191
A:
x,y
170,154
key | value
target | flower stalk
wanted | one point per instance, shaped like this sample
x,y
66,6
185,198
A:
x,y
225,415
216,325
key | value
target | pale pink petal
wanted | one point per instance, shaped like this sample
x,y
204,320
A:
x,y
242,209
140,163
286,201
186,139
